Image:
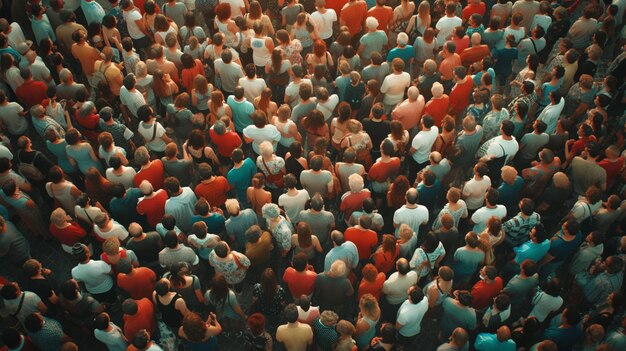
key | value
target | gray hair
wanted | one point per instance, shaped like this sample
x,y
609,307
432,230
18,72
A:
x,y
87,109
270,211
142,156
65,75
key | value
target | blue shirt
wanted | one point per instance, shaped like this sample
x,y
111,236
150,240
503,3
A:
x,y
237,226
564,338
241,178
124,209
42,29
530,250
346,252
510,194
406,54
214,222
561,249
490,342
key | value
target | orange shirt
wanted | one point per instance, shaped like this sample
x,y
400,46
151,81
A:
x,y
138,285
437,109
474,54
87,56
190,73
374,287
384,15
471,9
354,15
446,66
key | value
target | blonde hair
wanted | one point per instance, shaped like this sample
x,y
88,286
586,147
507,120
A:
x,y
111,246
405,232
560,180
266,149
509,174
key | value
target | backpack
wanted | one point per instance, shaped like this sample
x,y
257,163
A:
x,y
414,33
29,170
99,76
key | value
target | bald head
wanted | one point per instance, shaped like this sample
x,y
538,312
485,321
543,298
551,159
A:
x,y
435,157
503,333
469,124
135,230
413,93
476,39
412,196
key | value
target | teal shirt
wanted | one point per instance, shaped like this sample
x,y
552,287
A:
x,y
241,178
241,113
373,42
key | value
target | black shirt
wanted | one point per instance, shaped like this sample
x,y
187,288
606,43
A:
x,y
377,131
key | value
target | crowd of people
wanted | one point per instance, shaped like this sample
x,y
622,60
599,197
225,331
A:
x,y
313,174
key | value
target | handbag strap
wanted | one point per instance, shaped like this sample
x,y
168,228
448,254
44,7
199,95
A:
x,y
154,130
269,173
19,306
236,259
534,46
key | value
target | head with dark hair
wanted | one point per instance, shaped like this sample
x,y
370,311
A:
x,y
290,313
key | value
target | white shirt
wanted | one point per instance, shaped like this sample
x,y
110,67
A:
x,y
324,22
294,204
474,192
117,230
499,147
446,26
252,88
16,36
71,5
156,143
396,286
413,217
393,87
235,7
550,115
259,135
483,214
423,143
132,100
410,317
327,108
95,275
126,178
292,91
130,17
39,70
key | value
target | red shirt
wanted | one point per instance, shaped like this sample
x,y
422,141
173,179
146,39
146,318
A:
x,y
351,202
354,16
214,192
31,93
380,172
612,169
484,293
437,109
70,235
153,174
471,9
461,43
138,285
385,261
365,240
143,319
384,15
153,208
579,145
225,143
300,283
336,5
374,287
459,96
